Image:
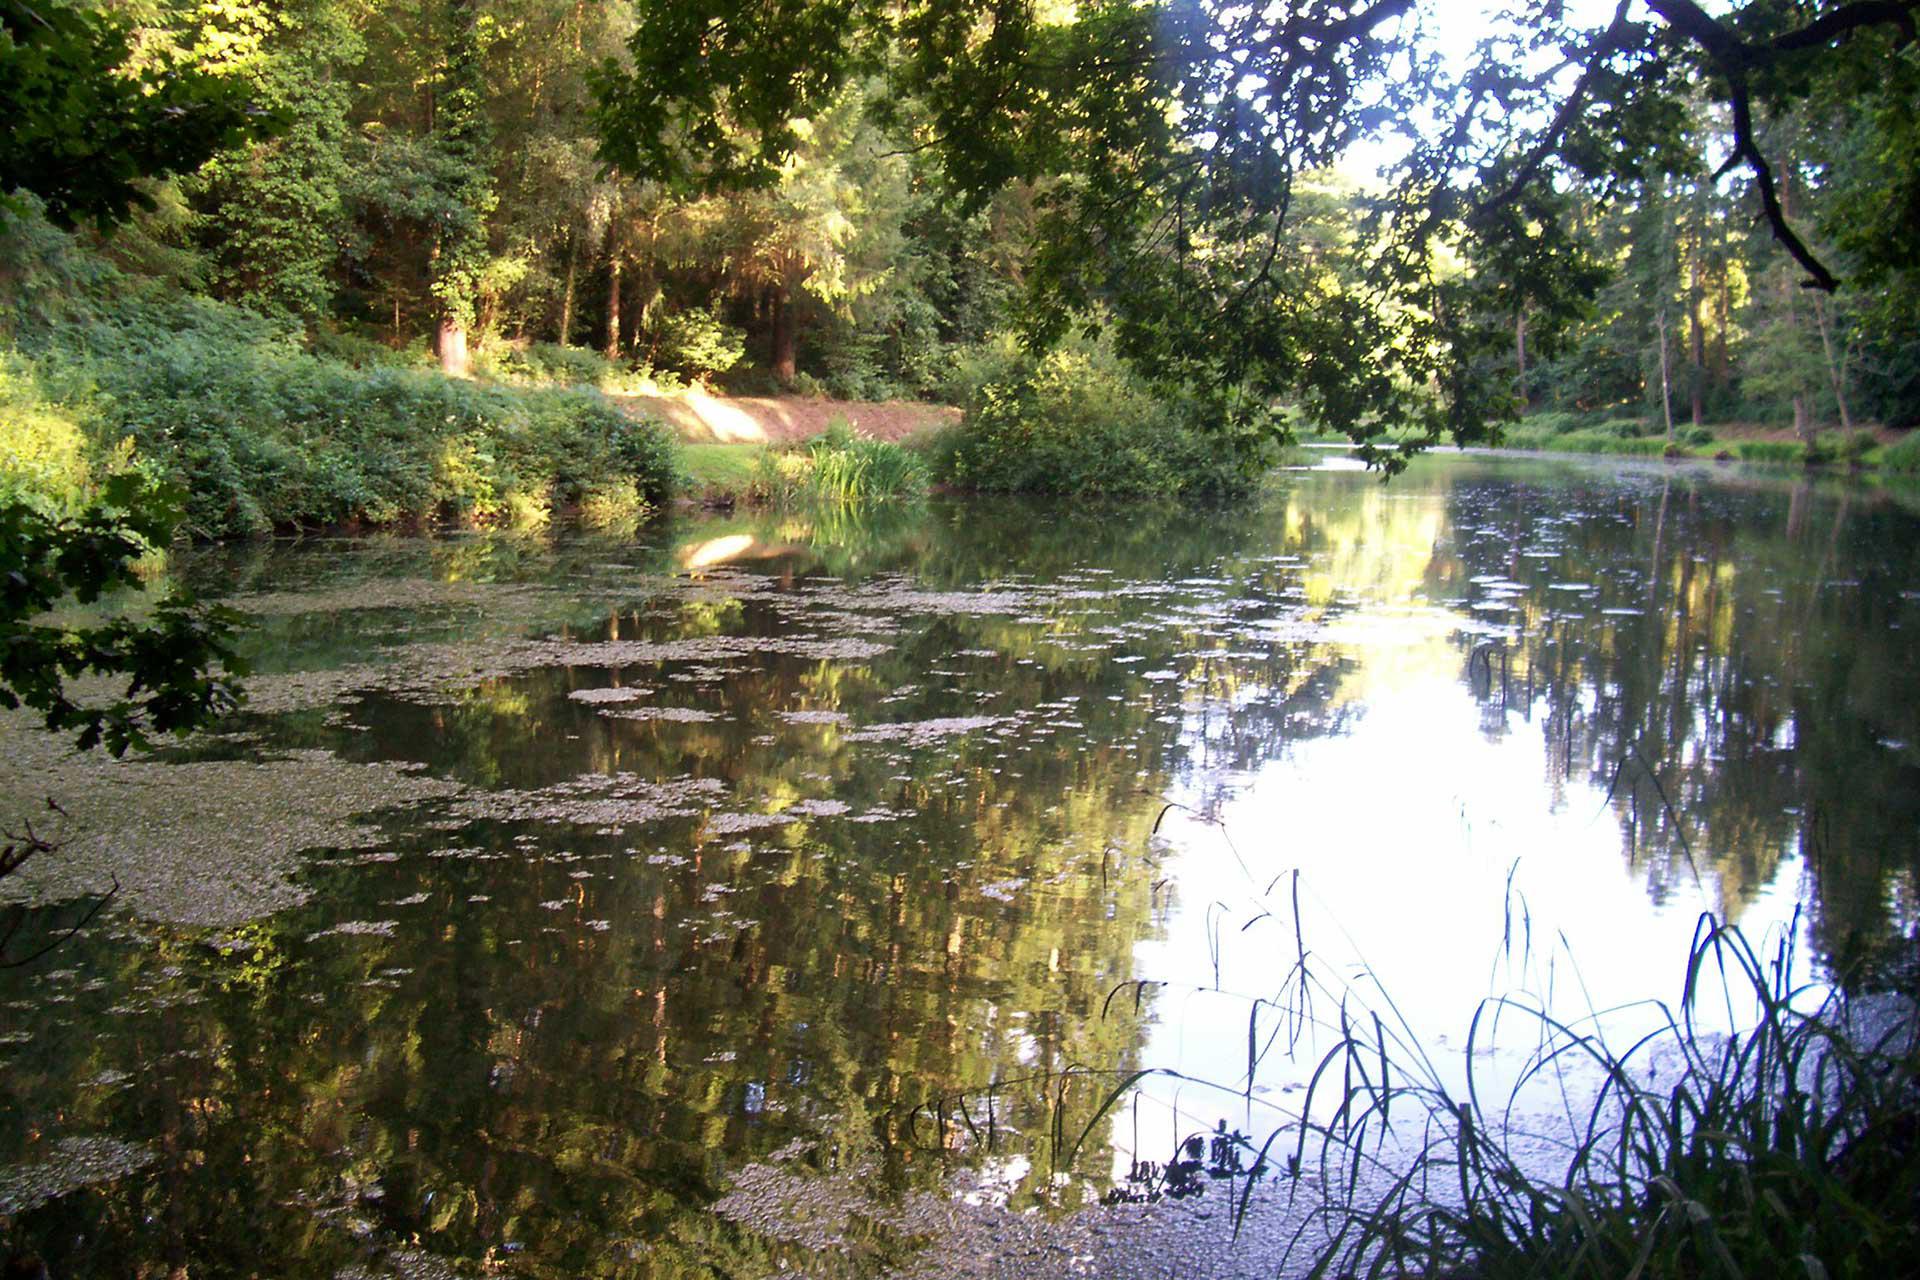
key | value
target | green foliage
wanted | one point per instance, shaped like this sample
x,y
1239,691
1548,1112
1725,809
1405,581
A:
x,y
1555,423
1903,455
547,364
462,137
87,121
265,439
262,433
169,659
698,344
272,212
840,468
1628,428
1075,422
1781,1149
351,347
1773,451
45,458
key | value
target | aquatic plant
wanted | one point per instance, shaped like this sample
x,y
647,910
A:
x,y
1780,1141
838,467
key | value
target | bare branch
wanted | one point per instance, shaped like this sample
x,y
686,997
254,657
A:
x,y
1849,18
1734,58
1610,42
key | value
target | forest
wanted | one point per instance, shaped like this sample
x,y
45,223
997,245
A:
x,y
546,200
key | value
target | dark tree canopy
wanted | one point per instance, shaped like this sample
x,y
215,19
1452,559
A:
x,y
86,121
1174,145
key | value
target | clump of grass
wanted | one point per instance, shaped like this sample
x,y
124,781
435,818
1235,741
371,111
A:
x,y
839,467
1903,455
1788,1144
1774,451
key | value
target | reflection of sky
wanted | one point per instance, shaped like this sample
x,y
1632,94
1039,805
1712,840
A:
x,y
1405,830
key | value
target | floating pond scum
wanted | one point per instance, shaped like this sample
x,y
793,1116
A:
x,y
942,893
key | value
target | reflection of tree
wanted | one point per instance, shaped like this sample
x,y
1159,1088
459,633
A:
x,y
576,1035
1738,700
569,1041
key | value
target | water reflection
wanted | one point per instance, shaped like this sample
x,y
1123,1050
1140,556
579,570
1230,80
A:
x,y
783,837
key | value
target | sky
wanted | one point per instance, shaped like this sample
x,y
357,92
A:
x,y
1455,28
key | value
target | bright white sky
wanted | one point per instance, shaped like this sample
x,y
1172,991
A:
x,y
1454,28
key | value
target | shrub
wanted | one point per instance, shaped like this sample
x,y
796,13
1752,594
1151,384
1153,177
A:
x,y
1903,455
1626,428
698,344
263,434
1075,422
749,380
44,453
1773,451
1554,422
838,467
805,384
1855,445
547,364
352,348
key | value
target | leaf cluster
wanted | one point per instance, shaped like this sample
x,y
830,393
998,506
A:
x,y
177,663
85,124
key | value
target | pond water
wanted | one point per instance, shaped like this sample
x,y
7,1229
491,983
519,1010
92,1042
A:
x,y
556,890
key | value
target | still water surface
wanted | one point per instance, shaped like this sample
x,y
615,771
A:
x,y
782,839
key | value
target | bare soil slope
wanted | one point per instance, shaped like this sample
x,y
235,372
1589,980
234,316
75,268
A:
x,y
699,418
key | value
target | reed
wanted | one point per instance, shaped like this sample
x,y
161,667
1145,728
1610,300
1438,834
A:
x,y
1786,1146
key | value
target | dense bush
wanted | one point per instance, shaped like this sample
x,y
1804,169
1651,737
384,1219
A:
x,y
44,453
697,344
1553,422
264,433
546,364
1903,455
1074,422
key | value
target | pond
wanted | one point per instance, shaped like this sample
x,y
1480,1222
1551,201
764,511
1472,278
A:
x,y
709,901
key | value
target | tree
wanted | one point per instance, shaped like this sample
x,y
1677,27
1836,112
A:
x,y
272,211
1171,138
85,129
461,136
86,123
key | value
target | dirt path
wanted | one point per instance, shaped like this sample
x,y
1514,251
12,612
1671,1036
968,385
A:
x,y
699,418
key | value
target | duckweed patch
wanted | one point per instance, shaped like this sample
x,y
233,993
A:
x,y
71,1164
211,842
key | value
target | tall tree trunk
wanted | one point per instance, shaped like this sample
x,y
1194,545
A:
x,y
613,308
462,138
450,341
1696,339
1802,420
1666,382
786,341
1520,355
1836,370
566,295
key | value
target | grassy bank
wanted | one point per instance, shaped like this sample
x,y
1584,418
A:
x,y
1551,432
266,427
1596,435
834,468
